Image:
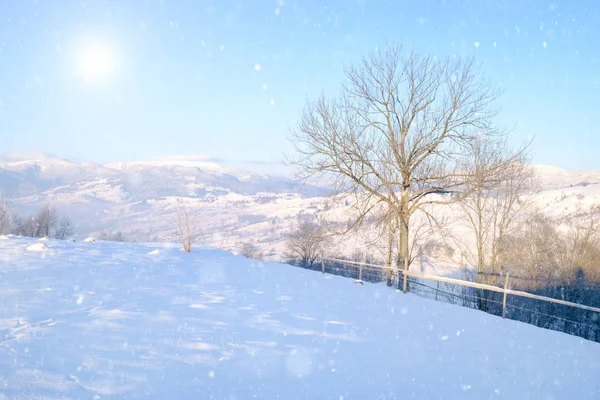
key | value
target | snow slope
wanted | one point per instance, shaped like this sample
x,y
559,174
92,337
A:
x,y
112,320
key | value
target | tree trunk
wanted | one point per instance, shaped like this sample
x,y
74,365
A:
x,y
403,249
389,256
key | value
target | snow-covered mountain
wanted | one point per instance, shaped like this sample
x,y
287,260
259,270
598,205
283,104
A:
x,y
233,206
33,173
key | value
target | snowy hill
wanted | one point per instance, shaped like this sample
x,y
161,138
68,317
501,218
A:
x,y
233,206
557,178
98,320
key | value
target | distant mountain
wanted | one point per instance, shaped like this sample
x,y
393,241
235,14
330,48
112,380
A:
x,y
22,176
34,173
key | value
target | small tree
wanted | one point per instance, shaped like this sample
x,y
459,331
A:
x,y
249,250
3,216
27,227
187,226
307,244
119,237
65,229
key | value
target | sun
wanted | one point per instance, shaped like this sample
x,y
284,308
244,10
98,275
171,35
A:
x,y
95,61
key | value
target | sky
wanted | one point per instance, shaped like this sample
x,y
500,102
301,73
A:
x,y
106,81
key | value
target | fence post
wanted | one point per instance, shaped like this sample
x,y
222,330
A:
x,y
322,264
360,267
505,293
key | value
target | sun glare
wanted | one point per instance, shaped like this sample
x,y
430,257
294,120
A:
x,y
95,61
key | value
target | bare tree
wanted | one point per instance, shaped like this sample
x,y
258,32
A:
x,y
65,229
187,226
501,188
557,250
307,244
534,250
582,243
24,226
3,216
557,257
119,237
398,133
16,224
249,250
45,221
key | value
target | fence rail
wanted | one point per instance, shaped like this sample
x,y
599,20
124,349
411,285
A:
x,y
506,291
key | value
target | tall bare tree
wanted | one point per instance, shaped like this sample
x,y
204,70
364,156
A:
x,y
45,221
501,188
398,132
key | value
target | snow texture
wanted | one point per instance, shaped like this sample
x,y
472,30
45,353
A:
x,y
113,321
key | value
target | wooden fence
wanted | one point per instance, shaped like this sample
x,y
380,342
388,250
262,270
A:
x,y
505,290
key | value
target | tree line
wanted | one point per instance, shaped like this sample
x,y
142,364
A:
x,y
46,223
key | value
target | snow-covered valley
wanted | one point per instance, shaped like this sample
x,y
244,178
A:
x,y
141,199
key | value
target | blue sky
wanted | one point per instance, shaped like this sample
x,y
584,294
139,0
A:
x,y
186,76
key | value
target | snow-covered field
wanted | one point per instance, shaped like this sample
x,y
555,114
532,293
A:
x,y
110,320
